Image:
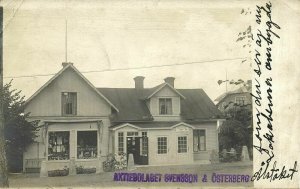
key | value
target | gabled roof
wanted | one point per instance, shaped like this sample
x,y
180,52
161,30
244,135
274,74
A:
x,y
156,89
70,66
243,89
133,106
129,101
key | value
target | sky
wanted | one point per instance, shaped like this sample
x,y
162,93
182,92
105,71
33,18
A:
x,y
115,40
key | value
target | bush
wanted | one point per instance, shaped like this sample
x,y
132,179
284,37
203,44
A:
x,y
82,170
58,172
115,162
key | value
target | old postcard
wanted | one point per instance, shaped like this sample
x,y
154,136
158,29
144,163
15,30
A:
x,y
140,94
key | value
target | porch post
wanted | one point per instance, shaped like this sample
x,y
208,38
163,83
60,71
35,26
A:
x,y
44,171
99,142
73,152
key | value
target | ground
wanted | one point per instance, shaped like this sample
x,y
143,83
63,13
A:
x,y
106,179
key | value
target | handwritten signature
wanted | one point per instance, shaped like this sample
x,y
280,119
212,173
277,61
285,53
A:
x,y
266,39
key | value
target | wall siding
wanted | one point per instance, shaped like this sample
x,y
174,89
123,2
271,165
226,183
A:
x,y
48,101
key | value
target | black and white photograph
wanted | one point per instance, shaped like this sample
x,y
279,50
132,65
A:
x,y
140,94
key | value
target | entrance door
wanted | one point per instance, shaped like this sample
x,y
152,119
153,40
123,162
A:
x,y
134,146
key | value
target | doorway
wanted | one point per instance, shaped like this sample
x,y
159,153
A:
x,y
138,147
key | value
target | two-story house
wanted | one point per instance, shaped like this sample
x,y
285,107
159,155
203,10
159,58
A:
x,y
81,124
240,97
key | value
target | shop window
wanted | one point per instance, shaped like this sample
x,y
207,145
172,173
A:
x,y
69,103
144,146
165,106
199,140
162,145
58,145
87,144
120,142
182,144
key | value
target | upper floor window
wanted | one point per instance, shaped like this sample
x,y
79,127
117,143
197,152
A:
x,y
240,100
165,106
69,103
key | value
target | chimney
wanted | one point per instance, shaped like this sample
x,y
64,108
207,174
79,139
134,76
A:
x,y
170,81
139,82
64,64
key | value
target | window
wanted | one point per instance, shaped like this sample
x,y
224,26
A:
x,y
87,144
199,140
182,144
132,134
69,103
120,142
240,100
162,145
58,145
144,151
165,106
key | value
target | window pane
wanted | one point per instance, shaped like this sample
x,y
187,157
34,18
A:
x,y
165,106
195,140
168,106
86,144
58,145
240,100
182,144
120,142
144,151
199,141
69,103
162,145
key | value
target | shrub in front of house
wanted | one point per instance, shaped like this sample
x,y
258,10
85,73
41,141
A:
x,y
115,162
82,170
58,172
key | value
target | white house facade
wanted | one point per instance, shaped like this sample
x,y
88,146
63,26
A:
x,y
79,124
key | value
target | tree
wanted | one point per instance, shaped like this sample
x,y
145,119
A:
x,y
236,131
3,162
18,132
232,134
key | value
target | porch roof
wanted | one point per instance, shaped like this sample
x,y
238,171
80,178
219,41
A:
x,y
151,125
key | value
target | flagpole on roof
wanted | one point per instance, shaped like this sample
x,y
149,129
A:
x,y
66,31
66,41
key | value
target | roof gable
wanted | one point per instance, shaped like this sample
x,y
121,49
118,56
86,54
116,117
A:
x,y
160,87
70,66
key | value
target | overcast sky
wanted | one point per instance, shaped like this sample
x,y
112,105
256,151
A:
x,y
125,34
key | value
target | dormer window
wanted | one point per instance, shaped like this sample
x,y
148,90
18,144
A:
x,y
165,106
69,103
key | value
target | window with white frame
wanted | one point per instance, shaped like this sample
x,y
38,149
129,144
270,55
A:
x,y
182,144
162,145
69,103
120,142
144,151
240,100
199,140
165,106
86,144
